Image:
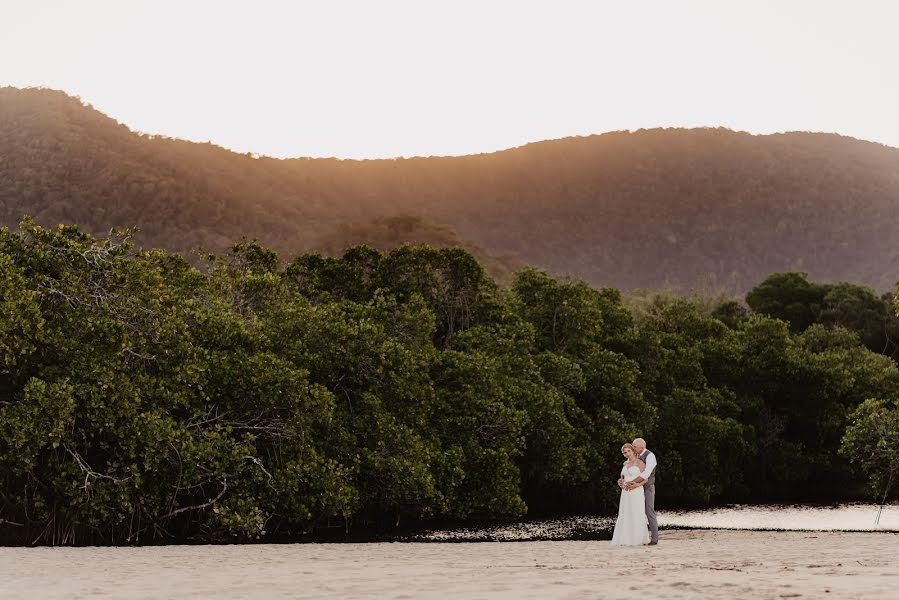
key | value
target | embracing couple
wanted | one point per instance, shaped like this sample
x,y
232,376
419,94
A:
x,y
636,508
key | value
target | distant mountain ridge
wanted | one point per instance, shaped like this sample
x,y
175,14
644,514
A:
x,y
646,209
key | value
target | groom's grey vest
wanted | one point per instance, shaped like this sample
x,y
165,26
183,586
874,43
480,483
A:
x,y
652,476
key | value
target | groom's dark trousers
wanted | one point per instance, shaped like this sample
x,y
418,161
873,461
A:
x,y
649,495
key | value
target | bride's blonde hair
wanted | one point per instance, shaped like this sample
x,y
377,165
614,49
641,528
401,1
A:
x,y
628,445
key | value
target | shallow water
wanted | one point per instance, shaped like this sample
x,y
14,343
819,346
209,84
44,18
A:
x,y
844,517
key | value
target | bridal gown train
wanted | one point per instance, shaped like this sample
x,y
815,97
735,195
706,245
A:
x,y
631,526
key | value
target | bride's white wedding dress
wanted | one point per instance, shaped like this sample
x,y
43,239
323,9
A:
x,y
631,526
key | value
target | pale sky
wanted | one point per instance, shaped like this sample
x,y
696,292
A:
x,y
372,79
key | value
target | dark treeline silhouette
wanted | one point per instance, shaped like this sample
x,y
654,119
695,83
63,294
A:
x,y
145,400
648,209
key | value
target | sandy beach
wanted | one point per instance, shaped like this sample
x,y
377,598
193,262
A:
x,y
686,564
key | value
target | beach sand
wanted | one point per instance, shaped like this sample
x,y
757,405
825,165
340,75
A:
x,y
685,564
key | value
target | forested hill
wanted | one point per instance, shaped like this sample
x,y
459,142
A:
x,y
652,208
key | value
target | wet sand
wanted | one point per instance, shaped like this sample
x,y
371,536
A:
x,y
686,564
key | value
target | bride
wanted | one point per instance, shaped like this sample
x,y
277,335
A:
x,y
631,526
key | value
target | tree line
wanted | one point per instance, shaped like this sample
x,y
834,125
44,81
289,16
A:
x,y
143,399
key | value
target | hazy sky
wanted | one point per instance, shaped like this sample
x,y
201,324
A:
x,y
381,78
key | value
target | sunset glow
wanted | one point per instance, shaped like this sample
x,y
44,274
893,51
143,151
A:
x,y
381,79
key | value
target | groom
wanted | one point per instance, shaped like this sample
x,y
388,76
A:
x,y
649,489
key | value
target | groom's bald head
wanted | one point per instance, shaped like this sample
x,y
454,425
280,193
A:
x,y
639,445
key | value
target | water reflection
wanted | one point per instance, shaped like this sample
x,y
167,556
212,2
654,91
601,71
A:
x,y
845,517
573,528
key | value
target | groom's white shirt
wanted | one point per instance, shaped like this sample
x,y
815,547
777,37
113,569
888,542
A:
x,y
650,465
